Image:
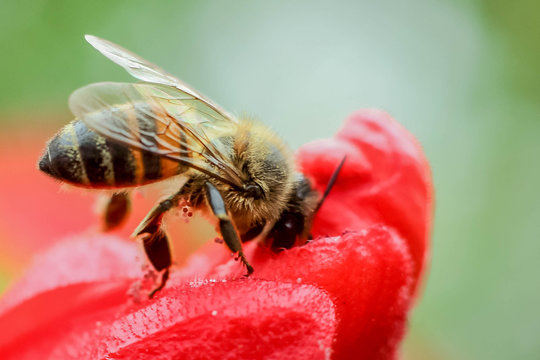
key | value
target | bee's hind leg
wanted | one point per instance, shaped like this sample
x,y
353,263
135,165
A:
x,y
158,252
116,210
164,278
228,232
155,241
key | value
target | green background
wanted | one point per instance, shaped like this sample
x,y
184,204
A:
x,y
463,76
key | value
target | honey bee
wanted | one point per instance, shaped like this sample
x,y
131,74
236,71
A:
x,y
235,170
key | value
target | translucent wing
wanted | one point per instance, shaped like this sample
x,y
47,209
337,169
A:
x,y
148,72
160,119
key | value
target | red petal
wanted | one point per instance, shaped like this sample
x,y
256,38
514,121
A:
x,y
385,180
369,276
81,270
366,275
225,320
93,318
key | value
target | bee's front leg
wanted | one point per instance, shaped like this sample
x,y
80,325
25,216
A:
x,y
228,232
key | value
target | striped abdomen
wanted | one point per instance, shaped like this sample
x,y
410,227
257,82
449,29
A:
x,y
80,156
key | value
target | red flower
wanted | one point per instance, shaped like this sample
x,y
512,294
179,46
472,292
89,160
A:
x,y
344,295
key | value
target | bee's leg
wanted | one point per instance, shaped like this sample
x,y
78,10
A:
x,y
156,247
116,210
164,278
228,232
155,240
153,219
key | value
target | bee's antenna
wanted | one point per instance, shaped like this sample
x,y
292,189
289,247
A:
x,y
331,183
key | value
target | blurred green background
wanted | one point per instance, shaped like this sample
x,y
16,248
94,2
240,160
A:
x,y
463,76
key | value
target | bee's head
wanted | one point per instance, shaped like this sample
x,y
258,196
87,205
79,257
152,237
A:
x,y
266,168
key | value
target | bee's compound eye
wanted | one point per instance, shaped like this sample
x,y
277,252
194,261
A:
x,y
253,190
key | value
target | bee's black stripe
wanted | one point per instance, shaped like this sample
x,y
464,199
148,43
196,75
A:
x,y
147,131
64,158
123,162
94,155
152,166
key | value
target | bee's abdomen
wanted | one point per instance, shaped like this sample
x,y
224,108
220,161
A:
x,y
82,157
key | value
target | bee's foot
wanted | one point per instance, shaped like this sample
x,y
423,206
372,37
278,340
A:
x,y
249,271
164,278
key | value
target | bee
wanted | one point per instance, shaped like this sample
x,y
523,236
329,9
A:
x,y
235,170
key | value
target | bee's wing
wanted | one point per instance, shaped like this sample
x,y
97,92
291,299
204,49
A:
x,y
148,72
161,120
